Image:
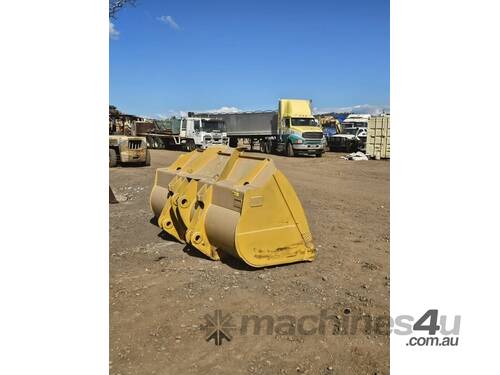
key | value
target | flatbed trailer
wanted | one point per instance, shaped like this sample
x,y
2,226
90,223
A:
x,y
186,133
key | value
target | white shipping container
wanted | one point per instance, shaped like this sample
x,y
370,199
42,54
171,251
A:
x,y
378,138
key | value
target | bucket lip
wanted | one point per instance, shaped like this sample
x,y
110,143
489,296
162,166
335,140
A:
x,y
249,260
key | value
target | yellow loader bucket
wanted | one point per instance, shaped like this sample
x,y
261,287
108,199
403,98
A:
x,y
174,193
221,200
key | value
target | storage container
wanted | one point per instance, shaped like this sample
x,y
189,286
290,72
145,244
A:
x,y
378,139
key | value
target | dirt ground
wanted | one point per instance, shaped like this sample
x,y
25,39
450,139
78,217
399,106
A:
x,y
160,291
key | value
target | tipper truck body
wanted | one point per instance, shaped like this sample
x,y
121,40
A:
x,y
291,130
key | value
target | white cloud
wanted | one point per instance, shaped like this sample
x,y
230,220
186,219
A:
x,y
223,109
113,33
169,20
182,113
360,108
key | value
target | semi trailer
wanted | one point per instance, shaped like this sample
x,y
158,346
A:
x,y
291,130
187,133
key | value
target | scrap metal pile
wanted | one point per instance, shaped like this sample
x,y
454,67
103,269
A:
x,y
223,201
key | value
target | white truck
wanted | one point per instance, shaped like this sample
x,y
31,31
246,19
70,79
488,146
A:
x,y
204,131
187,133
356,126
356,121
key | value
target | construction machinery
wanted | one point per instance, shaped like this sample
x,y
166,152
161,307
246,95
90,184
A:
x,y
124,149
291,130
330,125
222,201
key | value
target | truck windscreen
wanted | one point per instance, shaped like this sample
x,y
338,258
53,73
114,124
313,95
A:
x,y
355,124
303,122
213,126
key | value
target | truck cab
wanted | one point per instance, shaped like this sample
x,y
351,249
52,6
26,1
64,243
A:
x,y
203,132
356,121
299,131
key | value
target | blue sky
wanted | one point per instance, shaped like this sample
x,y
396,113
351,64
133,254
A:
x,y
172,56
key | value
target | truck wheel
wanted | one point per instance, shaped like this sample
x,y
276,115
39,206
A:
x,y
157,142
190,146
113,158
265,147
289,150
147,163
149,141
353,147
319,154
233,142
269,147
